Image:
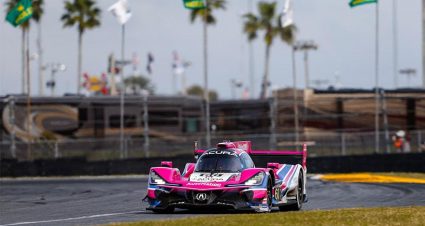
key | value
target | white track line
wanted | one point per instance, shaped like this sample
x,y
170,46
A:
x,y
73,218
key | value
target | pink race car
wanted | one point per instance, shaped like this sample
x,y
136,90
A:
x,y
226,177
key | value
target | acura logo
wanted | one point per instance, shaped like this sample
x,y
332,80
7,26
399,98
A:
x,y
201,196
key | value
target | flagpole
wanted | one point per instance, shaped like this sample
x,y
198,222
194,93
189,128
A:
x,y
395,43
122,92
206,90
295,94
377,145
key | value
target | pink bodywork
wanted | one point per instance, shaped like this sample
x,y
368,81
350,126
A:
x,y
172,175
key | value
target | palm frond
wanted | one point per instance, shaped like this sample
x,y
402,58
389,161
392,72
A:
x,y
82,13
211,6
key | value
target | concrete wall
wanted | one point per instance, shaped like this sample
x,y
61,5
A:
x,y
70,167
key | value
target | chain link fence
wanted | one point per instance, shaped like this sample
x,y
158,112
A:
x,y
320,144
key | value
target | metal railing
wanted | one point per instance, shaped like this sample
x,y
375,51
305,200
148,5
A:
x,y
321,144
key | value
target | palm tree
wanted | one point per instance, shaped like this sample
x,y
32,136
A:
x,y
206,16
211,5
37,7
85,15
269,22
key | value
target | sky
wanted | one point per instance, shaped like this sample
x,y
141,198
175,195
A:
x,y
346,39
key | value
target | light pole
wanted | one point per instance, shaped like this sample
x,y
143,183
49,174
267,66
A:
x,y
409,72
423,43
54,68
145,94
306,46
295,104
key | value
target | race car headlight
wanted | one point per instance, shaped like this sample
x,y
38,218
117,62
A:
x,y
255,180
155,178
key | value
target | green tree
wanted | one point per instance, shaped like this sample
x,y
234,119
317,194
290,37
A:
x,y
37,7
197,90
269,22
211,6
85,15
138,83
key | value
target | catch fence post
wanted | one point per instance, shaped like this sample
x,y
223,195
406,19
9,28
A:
x,y
12,121
343,146
56,149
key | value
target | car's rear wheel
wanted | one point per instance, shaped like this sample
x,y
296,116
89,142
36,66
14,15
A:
x,y
298,196
269,194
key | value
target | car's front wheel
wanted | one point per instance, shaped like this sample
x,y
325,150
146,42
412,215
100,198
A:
x,y
299,197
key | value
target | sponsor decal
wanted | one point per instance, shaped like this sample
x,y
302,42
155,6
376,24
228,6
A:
x,y
207,177
221,152
204,184
277,193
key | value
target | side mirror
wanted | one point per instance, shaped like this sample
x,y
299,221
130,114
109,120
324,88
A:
x,y
167,164
273,165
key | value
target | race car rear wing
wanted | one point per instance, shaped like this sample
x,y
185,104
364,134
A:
x,y
262,157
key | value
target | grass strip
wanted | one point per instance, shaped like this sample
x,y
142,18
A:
x,y
414,215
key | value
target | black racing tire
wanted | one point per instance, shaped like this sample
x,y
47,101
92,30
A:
x,y
164,211
299,197
270,193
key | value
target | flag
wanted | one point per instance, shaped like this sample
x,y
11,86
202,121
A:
x,y
179,65
194,4
287,16
121,11
150,61
135,62
20,13
354,3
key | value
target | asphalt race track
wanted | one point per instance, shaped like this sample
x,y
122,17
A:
x,y
90,201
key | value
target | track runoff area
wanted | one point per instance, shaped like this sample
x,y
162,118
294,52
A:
x,y
104,200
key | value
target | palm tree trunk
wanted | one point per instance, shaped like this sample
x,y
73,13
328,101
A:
x,y
80,56
206,88
265,84
23,61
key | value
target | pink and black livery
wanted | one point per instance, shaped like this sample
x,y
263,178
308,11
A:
x,y
226,177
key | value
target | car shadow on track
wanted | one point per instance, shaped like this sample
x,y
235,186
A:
x,y
208,211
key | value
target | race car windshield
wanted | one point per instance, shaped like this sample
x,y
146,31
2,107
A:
x,y
219,161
